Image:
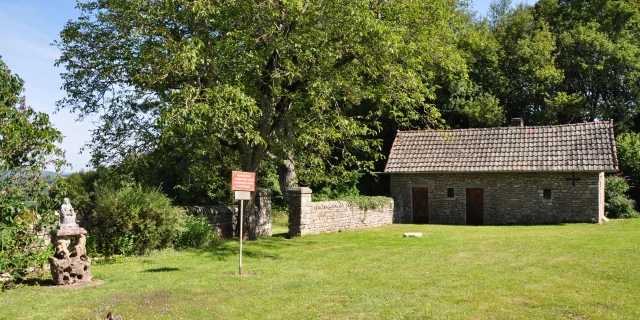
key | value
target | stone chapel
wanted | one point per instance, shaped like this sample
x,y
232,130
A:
x,y
512,175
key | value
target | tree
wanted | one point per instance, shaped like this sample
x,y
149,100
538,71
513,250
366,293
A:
x,y
468,99
511,71
275,80
27,147
598,47
628,149
551,63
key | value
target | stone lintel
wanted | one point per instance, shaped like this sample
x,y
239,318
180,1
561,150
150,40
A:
x,y
69,232
299,190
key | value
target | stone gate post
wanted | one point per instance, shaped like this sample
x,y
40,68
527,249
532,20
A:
x,y
258,218
299,211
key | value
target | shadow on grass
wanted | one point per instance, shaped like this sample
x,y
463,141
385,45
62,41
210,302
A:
x,y
224,252
264,248
228,248
36,282
161,270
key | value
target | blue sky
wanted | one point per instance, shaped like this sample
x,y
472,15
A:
x,y
27,28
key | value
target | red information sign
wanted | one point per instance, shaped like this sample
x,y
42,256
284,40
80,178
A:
x,y
244,181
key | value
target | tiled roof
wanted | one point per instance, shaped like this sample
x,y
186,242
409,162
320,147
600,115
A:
x,y
573,147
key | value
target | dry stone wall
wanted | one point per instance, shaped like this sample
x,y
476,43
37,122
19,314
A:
x,y
223,219
509,198
307,217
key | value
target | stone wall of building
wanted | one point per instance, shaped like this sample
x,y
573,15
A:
x,y
509,198
307,217
223,219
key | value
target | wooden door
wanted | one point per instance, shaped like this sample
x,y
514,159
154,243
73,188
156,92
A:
x,y
420,205
475,207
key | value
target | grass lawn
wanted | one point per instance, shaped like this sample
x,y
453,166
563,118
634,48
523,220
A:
x,y
575,271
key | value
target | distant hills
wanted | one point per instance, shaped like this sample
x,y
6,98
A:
x,y
51,174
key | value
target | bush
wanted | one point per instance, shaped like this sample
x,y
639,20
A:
x,y
133,220
617,203
197,233
620,207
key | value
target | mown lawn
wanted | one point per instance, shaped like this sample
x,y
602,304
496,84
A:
x,y
575,271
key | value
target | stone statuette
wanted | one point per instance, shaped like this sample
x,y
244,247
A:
x,y
69,266
67,216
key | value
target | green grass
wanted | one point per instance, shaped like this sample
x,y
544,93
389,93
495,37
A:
x,y
575,271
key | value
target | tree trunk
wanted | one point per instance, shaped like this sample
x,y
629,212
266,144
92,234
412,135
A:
x,y
286,178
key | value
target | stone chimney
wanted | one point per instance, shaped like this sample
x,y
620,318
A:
x,y
517,122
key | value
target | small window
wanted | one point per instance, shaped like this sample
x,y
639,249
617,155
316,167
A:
x,y
546,193
450,193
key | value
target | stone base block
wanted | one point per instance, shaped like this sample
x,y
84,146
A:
x,y
70,270
413,235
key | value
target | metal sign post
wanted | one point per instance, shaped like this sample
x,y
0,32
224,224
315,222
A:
x,y
242,183
241,223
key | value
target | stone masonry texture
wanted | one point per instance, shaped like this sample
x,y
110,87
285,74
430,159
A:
x,y
509,198
307,217
223,219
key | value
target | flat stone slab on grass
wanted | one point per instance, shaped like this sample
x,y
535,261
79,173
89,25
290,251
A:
x,y
413,235
79,285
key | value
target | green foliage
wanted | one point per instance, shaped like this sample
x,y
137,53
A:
x,y
187,176
617,203
616,186
628,148
133,220
552,62
197,233
367,203
279,218
219,86
343,186
599,52
27,147
79,188
620,207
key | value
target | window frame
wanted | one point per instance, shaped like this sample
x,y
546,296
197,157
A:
x,y
451,193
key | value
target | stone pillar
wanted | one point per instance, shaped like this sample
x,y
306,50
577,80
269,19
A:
x,y
299,211
258,220
70,266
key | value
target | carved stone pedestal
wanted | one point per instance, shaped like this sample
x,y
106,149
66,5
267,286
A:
x,y
70,266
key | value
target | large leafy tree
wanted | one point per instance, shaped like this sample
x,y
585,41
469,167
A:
x,y
27,147
598,46
275,80
511,71
554,62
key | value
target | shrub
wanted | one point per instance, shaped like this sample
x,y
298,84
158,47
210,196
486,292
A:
x,y
617,203
133,220
620,207
197,233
